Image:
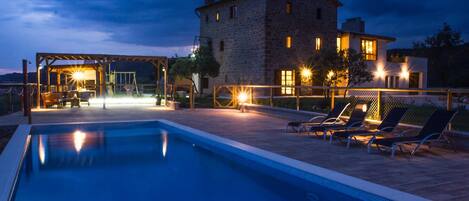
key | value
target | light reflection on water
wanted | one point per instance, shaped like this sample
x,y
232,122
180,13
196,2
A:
x,y
79,139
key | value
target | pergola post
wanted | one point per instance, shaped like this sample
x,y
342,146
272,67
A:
x,y
59,84
166,69
98,81
38,77
48,75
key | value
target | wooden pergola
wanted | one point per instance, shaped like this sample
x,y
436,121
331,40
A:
x,y
101,61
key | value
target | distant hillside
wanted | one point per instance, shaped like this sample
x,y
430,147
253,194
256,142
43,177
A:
x,y
447,67
146,73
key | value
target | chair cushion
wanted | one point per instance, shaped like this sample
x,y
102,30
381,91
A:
x,y
388,142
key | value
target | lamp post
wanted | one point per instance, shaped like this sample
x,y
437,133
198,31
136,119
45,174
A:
x,y
242,98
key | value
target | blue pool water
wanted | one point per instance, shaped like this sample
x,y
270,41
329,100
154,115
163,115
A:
x,y
143,161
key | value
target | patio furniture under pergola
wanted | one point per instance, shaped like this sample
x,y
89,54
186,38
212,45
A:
x,y
101,61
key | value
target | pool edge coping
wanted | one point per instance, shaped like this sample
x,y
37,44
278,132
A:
x,y
11,159
18,143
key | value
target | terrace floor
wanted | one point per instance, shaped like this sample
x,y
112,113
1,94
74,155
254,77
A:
x,y
438,174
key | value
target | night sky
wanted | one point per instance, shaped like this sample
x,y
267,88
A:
x,y
168,27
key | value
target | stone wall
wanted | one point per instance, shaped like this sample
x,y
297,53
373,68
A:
x,y
303,26
255,40
242,61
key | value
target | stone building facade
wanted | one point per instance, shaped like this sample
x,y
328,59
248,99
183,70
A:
x,y
267,42
255,40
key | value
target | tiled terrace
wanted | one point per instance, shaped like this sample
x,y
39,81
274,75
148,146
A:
x,y
438,175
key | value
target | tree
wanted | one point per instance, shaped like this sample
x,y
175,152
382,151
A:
x,y
202,64
358,72
447,58
332,68
445,38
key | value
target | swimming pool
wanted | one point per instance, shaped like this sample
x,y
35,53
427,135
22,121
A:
x,y
161,160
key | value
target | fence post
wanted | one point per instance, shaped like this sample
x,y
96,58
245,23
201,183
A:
x,y
251,92
297,100
214,96
332,99
271,96
449,100
380,105
25,87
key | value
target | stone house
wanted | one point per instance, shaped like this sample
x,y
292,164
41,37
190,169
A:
x,y
268,42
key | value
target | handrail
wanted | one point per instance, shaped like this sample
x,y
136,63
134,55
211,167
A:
x,y
434,90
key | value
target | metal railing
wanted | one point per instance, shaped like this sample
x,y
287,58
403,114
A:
x,y
322,99
14,99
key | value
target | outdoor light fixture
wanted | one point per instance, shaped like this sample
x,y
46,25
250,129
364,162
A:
x,y
78,75
41,67
306,73
242,98
330,75
123,101
364,107
405,73
380,72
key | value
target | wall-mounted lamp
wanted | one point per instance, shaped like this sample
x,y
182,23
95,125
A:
x,y
405,72
380,72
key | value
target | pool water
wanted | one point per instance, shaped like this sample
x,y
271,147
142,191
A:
x,y
142,161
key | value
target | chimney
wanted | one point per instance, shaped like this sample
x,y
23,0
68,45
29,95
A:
x,y
354,25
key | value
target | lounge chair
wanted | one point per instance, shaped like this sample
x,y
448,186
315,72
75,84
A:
x,y
388,125
355,121
332,117
432,131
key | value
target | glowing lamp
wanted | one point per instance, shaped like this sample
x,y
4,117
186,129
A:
x,y
364,107
78,75
330,75
306,73
243,97
405,73
380,72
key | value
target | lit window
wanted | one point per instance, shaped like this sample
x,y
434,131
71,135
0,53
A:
x,y
288,82
217,16
288,42
233,12
368,48
222,46
319,14
339,44
318,44
289,7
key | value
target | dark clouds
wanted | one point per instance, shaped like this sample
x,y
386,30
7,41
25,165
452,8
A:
x,y
147,22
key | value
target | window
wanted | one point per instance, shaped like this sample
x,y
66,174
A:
x,y
233,12
319,14
391,82
289,8
204,83
368,49
222,46
318,44
339,44
206,18
288,82
288,42
217,16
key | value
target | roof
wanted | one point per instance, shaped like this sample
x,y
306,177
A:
x,y
374,36
100,57
336,2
